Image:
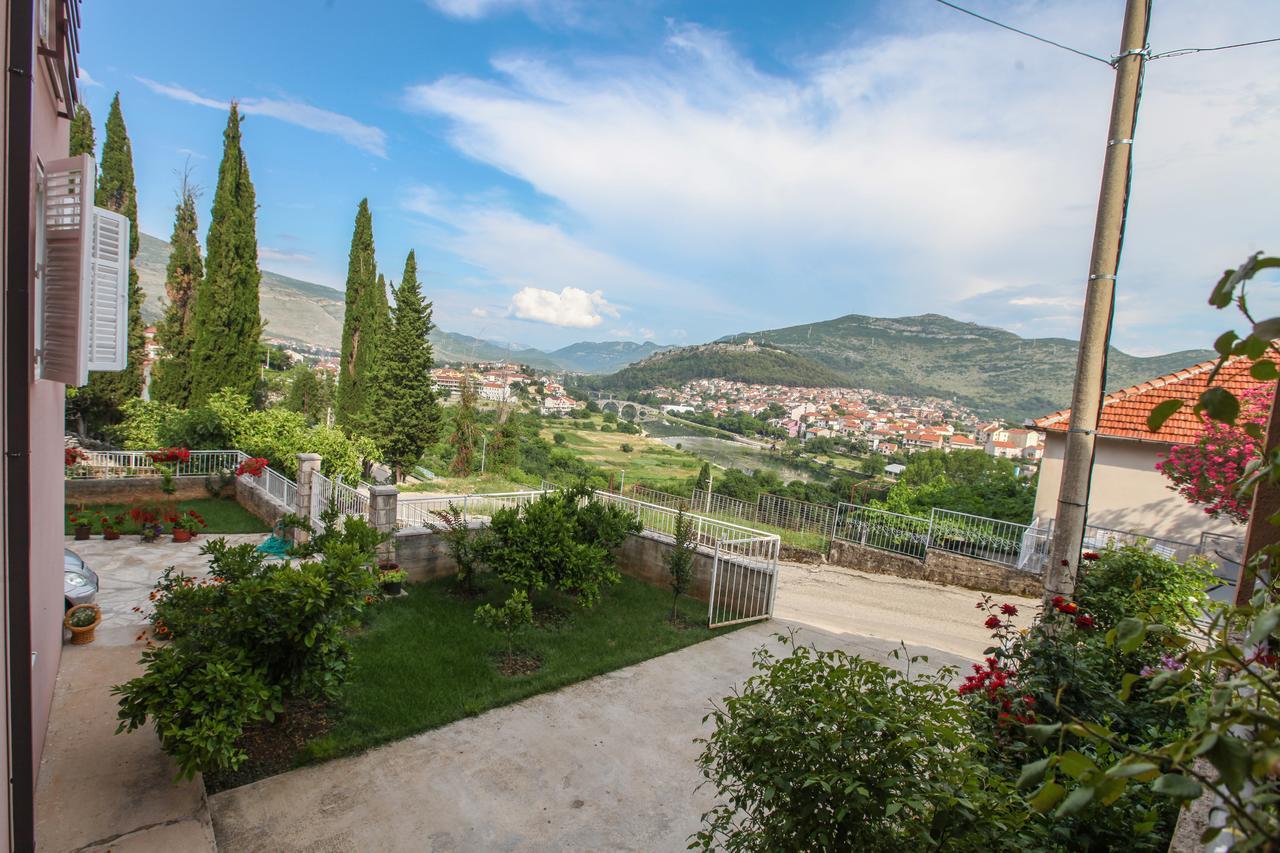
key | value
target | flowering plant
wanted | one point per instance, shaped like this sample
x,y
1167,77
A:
x,y
77,518
391,575
72,456
1209,470
151,531
190,520
110,522
253,466
170,454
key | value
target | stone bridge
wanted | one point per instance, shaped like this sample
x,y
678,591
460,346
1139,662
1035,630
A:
x,y
629,411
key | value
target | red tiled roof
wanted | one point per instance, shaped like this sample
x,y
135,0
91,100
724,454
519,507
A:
x,y
1124,413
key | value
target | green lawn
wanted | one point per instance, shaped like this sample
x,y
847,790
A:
x,y
223,516
423,661
649,461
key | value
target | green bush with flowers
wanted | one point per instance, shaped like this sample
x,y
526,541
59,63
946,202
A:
x,y
826,750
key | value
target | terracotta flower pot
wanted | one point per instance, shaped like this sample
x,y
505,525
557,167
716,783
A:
x,y
110,535
83,531
180,535
81,636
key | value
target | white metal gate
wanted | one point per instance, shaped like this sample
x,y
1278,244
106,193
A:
x,y
742,587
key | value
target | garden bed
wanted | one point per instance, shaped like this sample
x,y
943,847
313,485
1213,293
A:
x,y
423,661
223,515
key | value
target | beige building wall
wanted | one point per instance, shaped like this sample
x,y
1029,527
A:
x,y
1127,492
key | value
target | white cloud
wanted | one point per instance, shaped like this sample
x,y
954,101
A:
x,y
480,312
83,77
346,128
561,11
570,307
920,170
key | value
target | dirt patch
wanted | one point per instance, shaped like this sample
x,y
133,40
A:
x,y
682,624
517,663
551,617
272,746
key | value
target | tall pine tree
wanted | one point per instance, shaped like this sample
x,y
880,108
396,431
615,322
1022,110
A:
x,y
227,319
107,392
359,324
82,141
171,375
404,413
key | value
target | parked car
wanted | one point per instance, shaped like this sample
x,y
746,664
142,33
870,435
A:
x,y
79,582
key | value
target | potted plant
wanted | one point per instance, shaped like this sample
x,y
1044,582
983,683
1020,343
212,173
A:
x,y
391,578
81,524
186,525
81,620
152,531
109,523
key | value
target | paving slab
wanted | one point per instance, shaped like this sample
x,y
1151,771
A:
x,y
609,763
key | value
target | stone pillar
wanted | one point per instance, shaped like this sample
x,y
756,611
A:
x,y
382,515
308,464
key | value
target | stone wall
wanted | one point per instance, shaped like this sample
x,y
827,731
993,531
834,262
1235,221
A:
x,y
259,503
129,490
937,566
424,555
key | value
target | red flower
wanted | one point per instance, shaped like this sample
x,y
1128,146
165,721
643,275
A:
x,y
993,622
1009,609
1070,607
1084,620
1091,555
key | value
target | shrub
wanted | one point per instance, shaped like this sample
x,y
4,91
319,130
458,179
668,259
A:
x,y
680,559
515,613
200,700
1135,581
256,632
827,751
559,438
562,541
465,543
626,448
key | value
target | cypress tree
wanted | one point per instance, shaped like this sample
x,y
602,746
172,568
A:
x,y
171,375
82,141
358,334
703,482
227,320
116,191
465,433
403,412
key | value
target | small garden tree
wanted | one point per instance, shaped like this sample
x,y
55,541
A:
x,y
509,619
1207,472
465,544
680,559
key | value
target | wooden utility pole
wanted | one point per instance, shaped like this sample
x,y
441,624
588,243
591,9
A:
x,y
1095,332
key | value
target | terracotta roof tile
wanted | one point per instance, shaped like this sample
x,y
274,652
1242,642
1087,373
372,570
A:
x,y
1124,413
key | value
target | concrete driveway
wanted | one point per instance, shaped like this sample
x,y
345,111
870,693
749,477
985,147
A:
x,y
607,764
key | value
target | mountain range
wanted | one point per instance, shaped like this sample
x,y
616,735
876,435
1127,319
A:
x,y
309,313
990,370
993,371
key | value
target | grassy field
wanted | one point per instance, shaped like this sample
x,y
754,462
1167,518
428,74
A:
x,y
487,483
649,462
222,515
423,661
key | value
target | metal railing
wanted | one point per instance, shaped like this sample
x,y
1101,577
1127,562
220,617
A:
x,y
735,539
653,496
274,484
887,531
715,504
1096,538
791,514
348,501
975,536
414,511
128,464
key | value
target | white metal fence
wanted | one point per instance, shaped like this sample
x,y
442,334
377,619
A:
x,y
415,511
347,500
878,528
128,464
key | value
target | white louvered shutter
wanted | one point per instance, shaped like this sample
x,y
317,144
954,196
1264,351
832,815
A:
x,y
68,206
107,293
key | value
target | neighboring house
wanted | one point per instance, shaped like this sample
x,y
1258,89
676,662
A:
x,y
1127,492
558,405
61,256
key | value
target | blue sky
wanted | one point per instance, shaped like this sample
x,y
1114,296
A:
x,y
572,170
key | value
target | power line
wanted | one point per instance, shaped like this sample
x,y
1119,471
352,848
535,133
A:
x,y
1184,51
1106,62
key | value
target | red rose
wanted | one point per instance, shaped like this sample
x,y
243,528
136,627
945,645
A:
x,y
1084,620
993,622
1009,609
1091,555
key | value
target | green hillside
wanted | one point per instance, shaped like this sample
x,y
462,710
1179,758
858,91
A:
x,y
992,371
761,365
604,356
